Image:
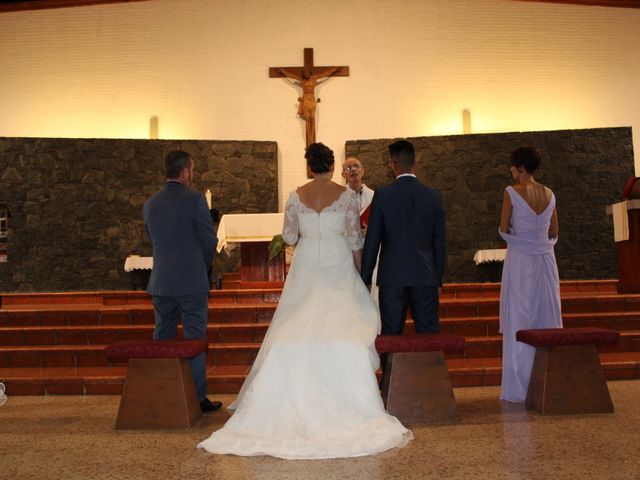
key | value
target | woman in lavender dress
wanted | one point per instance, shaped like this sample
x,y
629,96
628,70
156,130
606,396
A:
x,y
530,291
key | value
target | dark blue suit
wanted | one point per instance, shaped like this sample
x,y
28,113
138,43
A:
x,y
180,229
407,225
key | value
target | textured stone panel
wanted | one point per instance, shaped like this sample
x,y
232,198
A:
x,y
77,203
587,170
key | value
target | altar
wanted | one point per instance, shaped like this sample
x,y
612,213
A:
x,y
141,268
254,231
492,260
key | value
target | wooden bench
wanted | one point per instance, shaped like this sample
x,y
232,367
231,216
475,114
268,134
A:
x,y
566,377
159,391
416,387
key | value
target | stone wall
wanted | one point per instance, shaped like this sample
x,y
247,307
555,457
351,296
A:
x,y
587,170
77,203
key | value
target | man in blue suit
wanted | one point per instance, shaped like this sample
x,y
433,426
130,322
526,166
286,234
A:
x,y
407,224
180,229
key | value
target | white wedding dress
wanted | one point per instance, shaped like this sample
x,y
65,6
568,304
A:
x,y
312,391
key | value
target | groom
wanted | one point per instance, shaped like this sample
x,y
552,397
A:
x,y
407,225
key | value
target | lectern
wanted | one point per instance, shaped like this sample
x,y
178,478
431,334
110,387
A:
x,y
628,250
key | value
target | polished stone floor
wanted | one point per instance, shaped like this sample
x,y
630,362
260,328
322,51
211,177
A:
x,y
74,438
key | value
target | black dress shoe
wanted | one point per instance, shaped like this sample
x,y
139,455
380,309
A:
x,y
207,405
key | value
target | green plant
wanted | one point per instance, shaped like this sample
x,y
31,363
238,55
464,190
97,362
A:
x,y
277,245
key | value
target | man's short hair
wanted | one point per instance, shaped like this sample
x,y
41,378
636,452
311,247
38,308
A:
x,y
175,161
403,153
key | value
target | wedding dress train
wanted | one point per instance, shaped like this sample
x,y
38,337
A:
x,y
312,391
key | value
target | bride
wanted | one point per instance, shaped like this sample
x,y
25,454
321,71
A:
x,y
312,391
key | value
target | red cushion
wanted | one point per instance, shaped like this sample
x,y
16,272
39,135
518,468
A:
x,y
549,337
157,348
419,342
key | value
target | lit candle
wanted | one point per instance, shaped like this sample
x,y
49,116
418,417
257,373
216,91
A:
x,y
208,197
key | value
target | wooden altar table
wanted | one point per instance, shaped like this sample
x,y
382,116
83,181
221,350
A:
x,y
492,259
254,231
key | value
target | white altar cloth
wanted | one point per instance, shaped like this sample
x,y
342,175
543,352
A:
x,y
493,255
248,227
136,262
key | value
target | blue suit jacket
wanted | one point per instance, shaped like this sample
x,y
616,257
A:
x,y
179,226
407,224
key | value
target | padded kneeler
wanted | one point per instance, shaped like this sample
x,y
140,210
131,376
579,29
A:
x,y
416,387
158,392
567,377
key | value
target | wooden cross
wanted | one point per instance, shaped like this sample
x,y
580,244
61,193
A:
x,y
308,76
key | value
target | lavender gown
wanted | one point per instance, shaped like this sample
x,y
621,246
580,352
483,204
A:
x,y
530,291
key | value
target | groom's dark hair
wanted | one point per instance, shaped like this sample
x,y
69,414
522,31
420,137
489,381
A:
x,y
403,153
174,162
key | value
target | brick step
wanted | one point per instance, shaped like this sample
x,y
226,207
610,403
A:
x,y
126,315
64,380
492,290
609,285
268,295
64,298
50,356
263,311
47,356
108,334
475,372
464,372
121,298
489,325
75,315
571,303
254,330
228,353
491,346
466,290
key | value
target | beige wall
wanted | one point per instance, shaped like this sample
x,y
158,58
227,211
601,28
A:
x,y
201,67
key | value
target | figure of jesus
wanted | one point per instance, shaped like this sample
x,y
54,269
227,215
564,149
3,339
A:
x,y
307,102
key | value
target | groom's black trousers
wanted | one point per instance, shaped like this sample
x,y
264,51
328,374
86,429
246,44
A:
x,y
394,302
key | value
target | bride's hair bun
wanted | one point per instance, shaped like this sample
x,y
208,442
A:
x,y
319,158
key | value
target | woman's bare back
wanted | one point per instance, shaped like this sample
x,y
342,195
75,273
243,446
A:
x,y
535,194
320,194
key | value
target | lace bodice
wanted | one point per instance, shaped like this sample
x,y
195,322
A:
x,y
340,219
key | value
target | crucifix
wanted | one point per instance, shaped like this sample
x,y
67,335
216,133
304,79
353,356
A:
x,y
308,76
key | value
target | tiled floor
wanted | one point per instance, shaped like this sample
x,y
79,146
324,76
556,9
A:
x,y
67,437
